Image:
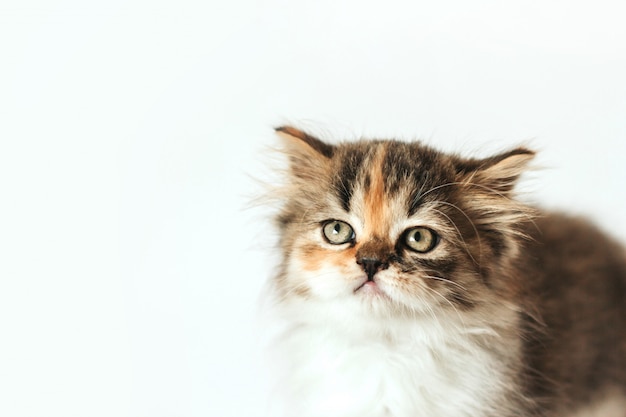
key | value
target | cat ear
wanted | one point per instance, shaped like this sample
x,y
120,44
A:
x,y
308,155
298,138
500,172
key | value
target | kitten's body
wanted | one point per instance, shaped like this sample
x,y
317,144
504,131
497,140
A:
x,y
508,312
576,281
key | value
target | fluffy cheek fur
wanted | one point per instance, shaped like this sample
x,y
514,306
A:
x,y
325,274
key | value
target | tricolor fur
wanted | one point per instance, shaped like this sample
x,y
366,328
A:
x,y
486,323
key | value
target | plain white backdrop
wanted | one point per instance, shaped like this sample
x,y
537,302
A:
x,y
130,271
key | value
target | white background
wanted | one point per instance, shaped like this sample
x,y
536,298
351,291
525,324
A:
x,y
129,268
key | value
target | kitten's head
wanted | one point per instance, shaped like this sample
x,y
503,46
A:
x,y
388,227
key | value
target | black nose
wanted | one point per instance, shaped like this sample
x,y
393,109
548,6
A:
x,y
371,266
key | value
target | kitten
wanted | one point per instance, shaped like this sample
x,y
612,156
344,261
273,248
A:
x,y
413,284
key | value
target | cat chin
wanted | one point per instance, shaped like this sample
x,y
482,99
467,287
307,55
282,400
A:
x,y
389,301
336,298
367,310
370,290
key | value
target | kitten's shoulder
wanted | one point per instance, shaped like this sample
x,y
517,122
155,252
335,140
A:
x,y
569,266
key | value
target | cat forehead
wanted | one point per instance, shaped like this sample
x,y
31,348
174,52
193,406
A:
x,y
380,171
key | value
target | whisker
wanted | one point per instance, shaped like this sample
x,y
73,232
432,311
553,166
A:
x,y
433,315
448,184
480,247
465,245
469,182
430,310
444,280
451,305
484,187
284,295
419,195
517,205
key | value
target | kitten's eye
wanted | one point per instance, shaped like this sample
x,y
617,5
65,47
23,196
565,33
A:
x,y
421,239
338,232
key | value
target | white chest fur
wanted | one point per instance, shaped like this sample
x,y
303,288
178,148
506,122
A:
x,y
419,369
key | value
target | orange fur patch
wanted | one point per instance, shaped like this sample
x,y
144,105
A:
x,y
314,257
375,208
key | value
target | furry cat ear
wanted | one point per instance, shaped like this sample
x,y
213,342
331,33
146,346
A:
x,y
308,155
292,134
500,172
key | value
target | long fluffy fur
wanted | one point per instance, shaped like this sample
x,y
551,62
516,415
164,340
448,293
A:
x,y
467,329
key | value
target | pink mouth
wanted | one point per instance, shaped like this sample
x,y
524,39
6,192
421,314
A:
x,y
369,287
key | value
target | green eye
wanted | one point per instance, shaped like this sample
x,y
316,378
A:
x,y
421,239
337,232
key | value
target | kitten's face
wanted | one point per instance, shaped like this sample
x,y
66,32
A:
x,y
393,227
